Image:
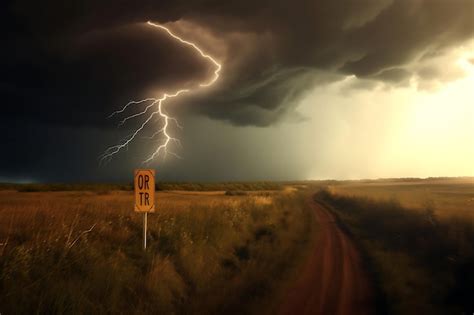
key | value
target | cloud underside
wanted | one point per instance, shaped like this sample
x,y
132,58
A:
x,y
74,64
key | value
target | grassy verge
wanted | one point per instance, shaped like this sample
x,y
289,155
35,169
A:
x,y
422,264
83,255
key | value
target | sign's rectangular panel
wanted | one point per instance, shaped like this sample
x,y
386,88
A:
x,y
144,183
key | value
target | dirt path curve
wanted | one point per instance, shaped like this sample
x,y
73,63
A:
x,y
332,281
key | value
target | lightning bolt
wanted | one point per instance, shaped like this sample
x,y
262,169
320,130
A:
x,y
154,107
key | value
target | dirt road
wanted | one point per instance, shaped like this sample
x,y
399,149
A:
x,y
332,280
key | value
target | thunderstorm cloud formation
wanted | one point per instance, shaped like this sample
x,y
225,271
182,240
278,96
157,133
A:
x,y
69,64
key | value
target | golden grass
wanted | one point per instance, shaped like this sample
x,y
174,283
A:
x,y
421,263
448,197
79,252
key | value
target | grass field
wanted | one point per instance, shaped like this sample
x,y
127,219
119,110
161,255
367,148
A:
x,y
79,252
453,196
230,250
417,237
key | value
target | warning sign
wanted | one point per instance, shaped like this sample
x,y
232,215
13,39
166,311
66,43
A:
x,y
144,190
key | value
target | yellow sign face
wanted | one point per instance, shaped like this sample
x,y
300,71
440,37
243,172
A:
x,y
144,190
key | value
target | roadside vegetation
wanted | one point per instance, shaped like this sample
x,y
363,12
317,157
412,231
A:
x,y
80,252
421,263
160,186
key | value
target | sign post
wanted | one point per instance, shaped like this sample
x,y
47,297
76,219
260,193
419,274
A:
x,y
144,183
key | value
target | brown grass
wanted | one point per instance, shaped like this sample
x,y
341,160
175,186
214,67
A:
x,y
422,264
79,252
446,197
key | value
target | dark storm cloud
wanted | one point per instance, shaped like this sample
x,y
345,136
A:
x,y
73,62
96,71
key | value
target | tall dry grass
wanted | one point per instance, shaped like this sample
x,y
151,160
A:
x,y
447,197
80,252
422,263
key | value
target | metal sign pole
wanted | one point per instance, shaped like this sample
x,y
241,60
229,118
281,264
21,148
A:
x,y
144,229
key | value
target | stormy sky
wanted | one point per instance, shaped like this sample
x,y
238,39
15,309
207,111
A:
x,y
308,89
